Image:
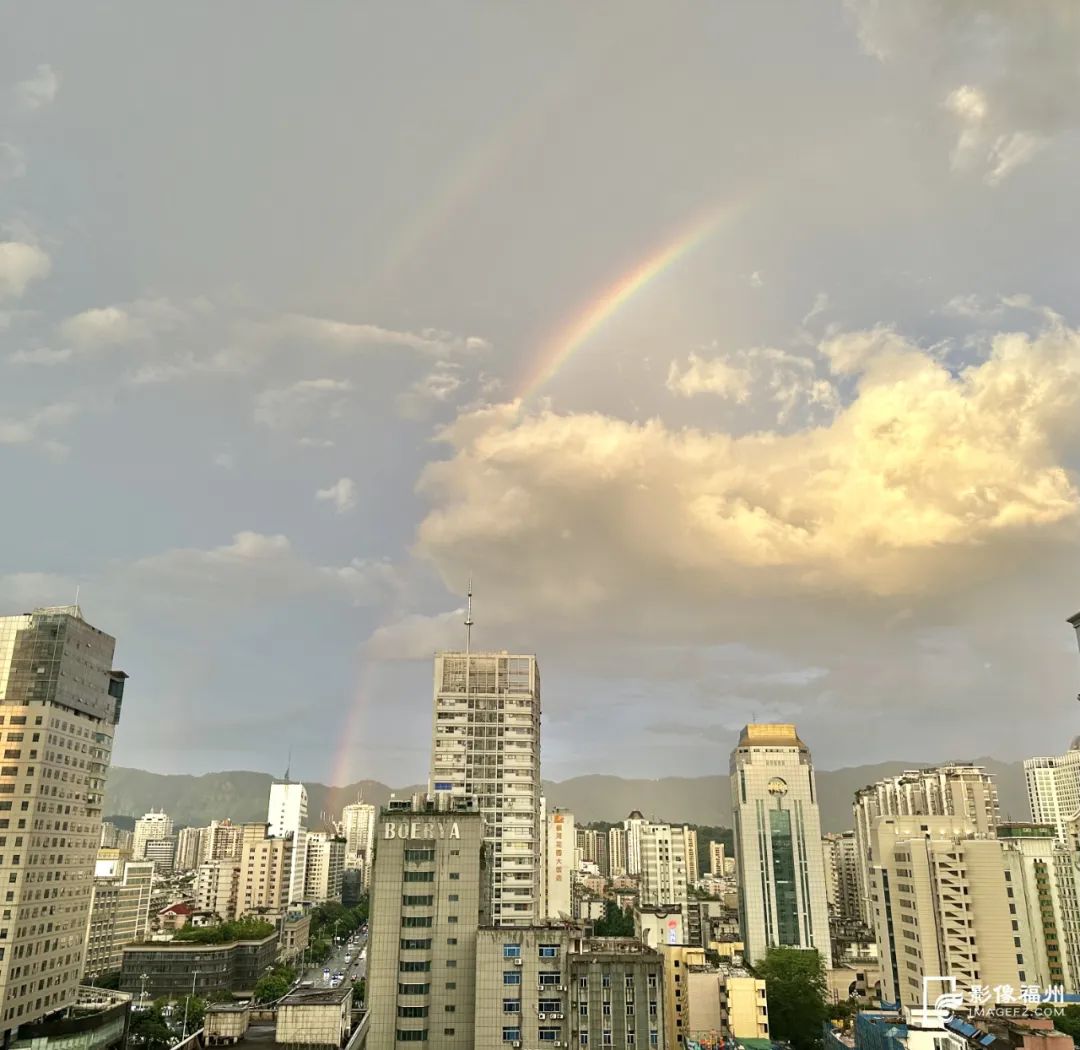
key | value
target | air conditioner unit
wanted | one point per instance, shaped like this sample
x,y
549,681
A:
x,y
517,1044
543,1017
562,988
517,962
557,1017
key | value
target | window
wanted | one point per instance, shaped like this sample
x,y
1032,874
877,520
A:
x,y
549,977
419,876
455,875
414,966
417,902
451,940
415,943
547,1034
511,977
511,1006
511,1035
448,1031
549,1006
451,918
548,951
419,854
405,1036
416,922
511,951
412,1011
452,898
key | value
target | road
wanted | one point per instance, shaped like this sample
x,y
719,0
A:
x,y
337,964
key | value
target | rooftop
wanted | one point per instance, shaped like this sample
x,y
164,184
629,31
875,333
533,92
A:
x,y
777,734
317,996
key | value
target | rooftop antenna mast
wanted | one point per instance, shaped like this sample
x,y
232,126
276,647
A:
x,y
468,621
288,765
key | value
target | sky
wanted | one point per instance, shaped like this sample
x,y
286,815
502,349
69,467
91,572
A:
x,y
732,351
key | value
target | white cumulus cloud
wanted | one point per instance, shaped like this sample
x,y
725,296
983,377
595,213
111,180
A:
x,y
20,265
342,495
288,407
39,90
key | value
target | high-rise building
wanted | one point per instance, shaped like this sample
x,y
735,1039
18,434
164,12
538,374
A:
x,y
1053,788
944,907
663,866
617,851
430,894
716,859
781,871
119,912
113,837
841,856
358,821
60,702
559,862
286,817
190,846
632,826
1045,881
153,826
217,885
266,867
223,841
486,745
325,865
693,868
953,789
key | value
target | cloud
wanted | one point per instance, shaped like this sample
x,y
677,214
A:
x,y
715,376
20,265
252,570
417,636
435,388
342,494
12,162
38,91
756,374
30,429
289,407
1006,73
105,326
40,355
921,484
344,335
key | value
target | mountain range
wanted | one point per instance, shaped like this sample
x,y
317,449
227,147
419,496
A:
x,y
242,796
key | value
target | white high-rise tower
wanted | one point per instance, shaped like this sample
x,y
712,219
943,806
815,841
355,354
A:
x,y
781,869
486,746
286,817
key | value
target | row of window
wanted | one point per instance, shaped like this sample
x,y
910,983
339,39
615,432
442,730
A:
x,y
545,951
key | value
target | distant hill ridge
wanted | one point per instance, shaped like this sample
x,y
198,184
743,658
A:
x,y
242,796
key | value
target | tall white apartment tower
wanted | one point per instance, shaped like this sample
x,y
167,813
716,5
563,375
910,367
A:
x,y
358,821
486,745
150,827
286,817
781,868
60,702
1053,788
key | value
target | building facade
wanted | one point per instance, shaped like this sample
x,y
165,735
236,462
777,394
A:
x,y
663,851
223,841
217,888
1053,789
161,853
266,867
781,871
60,702
617,852
952,790
286,817
716,859
841,855
943,907
190,846
325,865
153,826
358,820
559,865
486,746
119,912
179,968
430,894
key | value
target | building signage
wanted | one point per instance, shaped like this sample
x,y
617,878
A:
x,y
421,829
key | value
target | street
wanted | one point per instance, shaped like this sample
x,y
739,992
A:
x,y
337,964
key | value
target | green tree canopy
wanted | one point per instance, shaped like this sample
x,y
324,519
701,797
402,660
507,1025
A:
x,y
1068,1021
615,923
245,929
795,990
271,988
148,1029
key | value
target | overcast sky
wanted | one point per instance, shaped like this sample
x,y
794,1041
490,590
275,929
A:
x,y
731,348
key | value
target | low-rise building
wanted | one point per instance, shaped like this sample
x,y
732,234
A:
x,y
295,933
315,1017
98,1020
176,968
616,993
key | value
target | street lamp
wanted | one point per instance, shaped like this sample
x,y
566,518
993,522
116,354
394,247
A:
x,y
187,999
142,995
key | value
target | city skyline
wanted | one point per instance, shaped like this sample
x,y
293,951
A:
x,y
739,389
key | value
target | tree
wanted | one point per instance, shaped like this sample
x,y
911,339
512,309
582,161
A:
x,y
1067,1020
615,923
272,987
795,990
148,1029
359,989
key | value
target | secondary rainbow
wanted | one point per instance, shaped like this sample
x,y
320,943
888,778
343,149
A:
x,y
600,309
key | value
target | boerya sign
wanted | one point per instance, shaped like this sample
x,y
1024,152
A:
x,y
421,829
